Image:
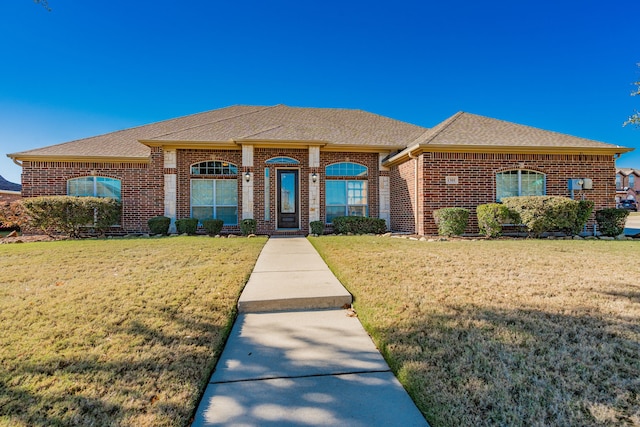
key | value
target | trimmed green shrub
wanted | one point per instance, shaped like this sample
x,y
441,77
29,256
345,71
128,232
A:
x,y
451,221
359,225
491,217
248,226
542,214
187,225
611,221
317,227
159,224
585,209
212,226
69,215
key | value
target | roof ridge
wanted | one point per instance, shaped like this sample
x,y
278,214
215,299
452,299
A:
x,y
445,124
259,109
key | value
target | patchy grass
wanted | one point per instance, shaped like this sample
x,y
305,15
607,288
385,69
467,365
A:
x,y
115,332
505,332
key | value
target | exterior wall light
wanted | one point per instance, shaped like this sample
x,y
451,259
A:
x,y
247,176
314,177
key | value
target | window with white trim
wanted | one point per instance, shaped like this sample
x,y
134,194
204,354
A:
x,y
214,167
94,186
632,181
520,182
345,194
215,199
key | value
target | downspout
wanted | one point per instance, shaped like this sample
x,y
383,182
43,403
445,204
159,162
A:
x,y
415,190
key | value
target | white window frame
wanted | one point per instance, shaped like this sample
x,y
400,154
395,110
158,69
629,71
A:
x,y
214,206
519,174
95,186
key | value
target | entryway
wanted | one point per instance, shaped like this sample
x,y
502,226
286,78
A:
x,y
288,196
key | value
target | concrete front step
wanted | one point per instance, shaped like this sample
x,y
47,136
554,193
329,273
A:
x,y
292,290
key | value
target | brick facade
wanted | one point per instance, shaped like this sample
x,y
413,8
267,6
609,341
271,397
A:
x,y
476,174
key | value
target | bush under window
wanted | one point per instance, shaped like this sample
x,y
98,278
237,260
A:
x,y
359,225
451,221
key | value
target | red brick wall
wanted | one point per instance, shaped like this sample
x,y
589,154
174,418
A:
x,y
476,181
402,182
142,184
185,158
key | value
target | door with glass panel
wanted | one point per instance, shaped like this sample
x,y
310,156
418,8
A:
x,y
288,187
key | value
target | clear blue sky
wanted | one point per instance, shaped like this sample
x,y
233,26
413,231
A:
x,y
92,67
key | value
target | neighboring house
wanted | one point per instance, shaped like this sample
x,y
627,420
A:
x,y
9,191
627,184
286,166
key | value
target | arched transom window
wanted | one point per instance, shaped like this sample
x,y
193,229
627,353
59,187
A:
x,y
519,182
281,160
94,186
214,167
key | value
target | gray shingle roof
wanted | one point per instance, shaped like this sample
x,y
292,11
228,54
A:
x,y
8,185
473,130
335,126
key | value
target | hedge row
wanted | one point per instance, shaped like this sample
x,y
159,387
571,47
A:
x,y
359,225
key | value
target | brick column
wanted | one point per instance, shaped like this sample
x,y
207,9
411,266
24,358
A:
x,y
170,187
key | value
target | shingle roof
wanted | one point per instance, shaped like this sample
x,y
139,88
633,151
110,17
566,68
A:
x,y
473,130
628,171
282,123
335,126
9,186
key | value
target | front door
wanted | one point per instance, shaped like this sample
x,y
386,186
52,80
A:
x,y
288,199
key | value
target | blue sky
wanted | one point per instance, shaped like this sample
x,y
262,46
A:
x,y
87,68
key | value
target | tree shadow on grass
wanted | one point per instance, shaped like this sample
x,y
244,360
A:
x,y
467,365
156,382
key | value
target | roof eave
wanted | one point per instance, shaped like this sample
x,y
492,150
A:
x,y
75,158
418,149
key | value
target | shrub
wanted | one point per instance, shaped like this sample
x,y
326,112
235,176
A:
x,y
212,226
611,221
248,226
585,209
359,225
491,217
187,225
317,227
13,216
451,221
159,224
68,215
541,214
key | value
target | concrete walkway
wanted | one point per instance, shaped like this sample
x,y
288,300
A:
x,y
310,365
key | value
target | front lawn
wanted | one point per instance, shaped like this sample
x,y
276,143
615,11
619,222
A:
x,y
504,332
115,332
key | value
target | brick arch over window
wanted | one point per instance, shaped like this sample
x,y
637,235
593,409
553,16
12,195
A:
x,y
214,167
520,182
95,186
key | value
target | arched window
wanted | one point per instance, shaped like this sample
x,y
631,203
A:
x,y
214,167
346,169
281,160
519,183
346,190
94,186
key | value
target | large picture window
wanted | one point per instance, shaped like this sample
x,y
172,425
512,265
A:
x,y
215,198
94,186
519,183
344,196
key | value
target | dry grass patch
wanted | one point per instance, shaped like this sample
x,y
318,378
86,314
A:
x,y
518,333
115,332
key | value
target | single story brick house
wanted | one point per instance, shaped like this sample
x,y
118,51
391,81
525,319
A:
x,y
287,166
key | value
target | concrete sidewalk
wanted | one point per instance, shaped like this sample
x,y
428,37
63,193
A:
x,y
311,365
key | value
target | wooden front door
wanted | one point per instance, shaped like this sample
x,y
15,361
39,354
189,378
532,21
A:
x,y
288,192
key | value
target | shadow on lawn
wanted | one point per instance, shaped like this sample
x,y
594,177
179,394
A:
x,y
467,365
85,390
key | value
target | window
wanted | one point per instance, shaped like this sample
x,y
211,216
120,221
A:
x,y
215,198
618,182
632,181
282,161
94,186
519,183
214,167
345,197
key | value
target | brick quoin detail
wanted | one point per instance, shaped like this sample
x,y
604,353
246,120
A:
x,y
476,174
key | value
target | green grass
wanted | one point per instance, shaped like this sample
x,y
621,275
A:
x,y
503,332
115,332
